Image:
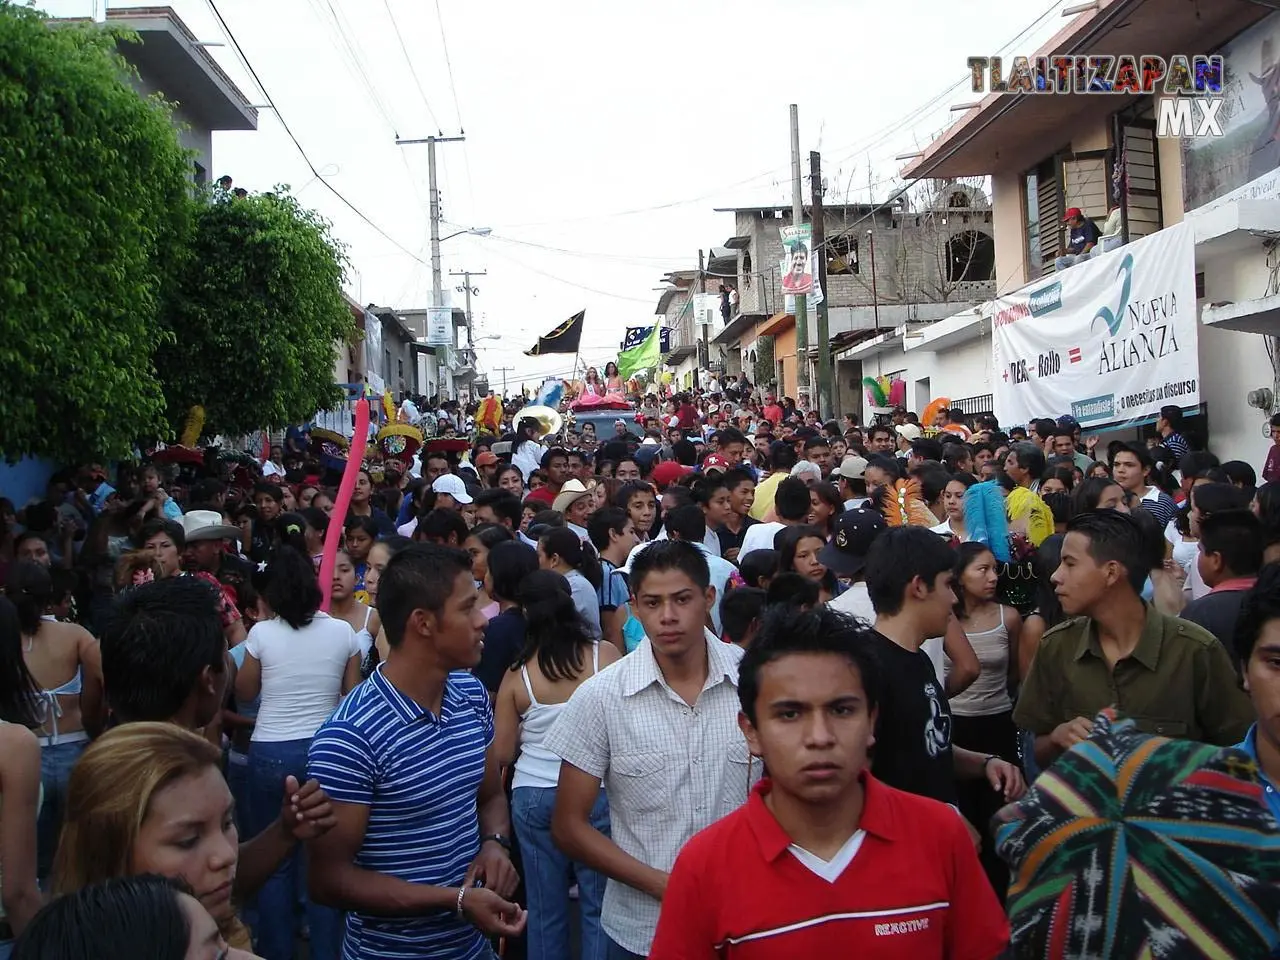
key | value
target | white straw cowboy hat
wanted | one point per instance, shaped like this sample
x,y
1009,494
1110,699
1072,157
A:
x,y
200,525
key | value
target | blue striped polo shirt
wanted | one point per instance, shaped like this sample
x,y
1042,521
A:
x,y
419,776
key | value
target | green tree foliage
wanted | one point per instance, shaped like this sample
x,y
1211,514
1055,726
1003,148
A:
x,y
94,191
256,312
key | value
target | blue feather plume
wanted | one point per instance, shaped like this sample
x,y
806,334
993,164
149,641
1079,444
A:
x,y
549,394
985,520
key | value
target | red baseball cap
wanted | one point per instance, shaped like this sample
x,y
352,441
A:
x,y
1072,213
715,462
668,472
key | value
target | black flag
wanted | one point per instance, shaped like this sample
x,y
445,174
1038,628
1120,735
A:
x,y
563,339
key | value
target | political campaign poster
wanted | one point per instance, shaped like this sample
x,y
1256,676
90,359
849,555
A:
x,y
1110,340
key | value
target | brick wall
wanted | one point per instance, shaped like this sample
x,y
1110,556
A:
x,y
910,259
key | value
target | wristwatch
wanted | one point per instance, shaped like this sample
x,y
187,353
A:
x,y
499,839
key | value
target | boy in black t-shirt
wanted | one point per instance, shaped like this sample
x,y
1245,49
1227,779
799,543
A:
x,y
909,582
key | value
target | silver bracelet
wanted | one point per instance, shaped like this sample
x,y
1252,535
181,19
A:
x,y
462,892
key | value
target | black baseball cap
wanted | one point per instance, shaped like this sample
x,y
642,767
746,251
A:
x,y
855,531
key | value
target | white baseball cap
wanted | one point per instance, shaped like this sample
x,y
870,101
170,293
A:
x,y
452,485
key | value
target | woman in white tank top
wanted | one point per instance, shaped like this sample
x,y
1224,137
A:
x,y
301,662
560,655
982,715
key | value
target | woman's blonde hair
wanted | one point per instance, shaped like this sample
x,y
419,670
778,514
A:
x,y
109,796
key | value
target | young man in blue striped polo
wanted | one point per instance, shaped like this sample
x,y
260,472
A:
x,y
418,857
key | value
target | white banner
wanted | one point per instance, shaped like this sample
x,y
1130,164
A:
x,y
440,326
1109,341
373,360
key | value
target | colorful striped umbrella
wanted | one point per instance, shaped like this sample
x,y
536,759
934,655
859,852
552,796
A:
x,y
1133,846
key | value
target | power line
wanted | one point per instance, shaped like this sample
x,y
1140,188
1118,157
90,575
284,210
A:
x,y
284,124
448,63
353,58
587,255
412,69
457,110
881,136
567,283
870,140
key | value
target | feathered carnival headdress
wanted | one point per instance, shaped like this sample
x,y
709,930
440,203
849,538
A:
x,y
903,506
931,412
883,393
984,518
192,428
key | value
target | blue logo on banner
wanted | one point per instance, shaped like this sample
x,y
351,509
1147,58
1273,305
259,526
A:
x,y
1112,320
1045,300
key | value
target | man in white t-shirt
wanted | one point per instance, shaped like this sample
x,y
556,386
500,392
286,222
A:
x,y
274,465
790,504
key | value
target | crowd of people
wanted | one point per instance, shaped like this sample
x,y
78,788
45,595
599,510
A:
x,y
731,682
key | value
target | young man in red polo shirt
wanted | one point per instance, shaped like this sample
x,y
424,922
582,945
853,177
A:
x,y
824,860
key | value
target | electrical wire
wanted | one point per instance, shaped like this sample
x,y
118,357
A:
x,y
870,140
303,153
448,63
353,59
457,109
588,255
412,69
562,280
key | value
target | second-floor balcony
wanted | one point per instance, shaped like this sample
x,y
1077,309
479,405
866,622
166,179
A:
x,y
1048,153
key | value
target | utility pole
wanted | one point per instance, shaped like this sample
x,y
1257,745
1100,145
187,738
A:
x,y
875,294
826,391
437,284
503,371
704,349
797,220
468,290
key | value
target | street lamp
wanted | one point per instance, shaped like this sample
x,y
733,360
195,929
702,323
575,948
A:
x,y
488,336
474,231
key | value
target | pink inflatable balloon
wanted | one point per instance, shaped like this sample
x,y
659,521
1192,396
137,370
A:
x,y
355,460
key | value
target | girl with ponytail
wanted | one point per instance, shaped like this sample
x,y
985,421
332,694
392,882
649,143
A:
x,y
559,655
300,661
562,551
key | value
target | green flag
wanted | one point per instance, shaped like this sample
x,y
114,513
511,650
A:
x,y
644,355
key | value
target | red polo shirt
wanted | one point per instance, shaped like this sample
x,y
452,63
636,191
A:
x,y
914,889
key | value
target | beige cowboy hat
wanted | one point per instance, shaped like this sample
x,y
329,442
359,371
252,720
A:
x,y
200,525
573,491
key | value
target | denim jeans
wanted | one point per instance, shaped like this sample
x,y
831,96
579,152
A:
x,y
269,764
546,879
1070,260
56,762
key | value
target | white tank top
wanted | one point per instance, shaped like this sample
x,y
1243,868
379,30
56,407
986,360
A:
x,y
536,766
989,694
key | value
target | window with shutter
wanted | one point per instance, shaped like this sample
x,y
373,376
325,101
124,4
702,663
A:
x,y
1049,196
1141,180
1044,218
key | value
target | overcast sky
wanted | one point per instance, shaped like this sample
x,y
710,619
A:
x,y
578,114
